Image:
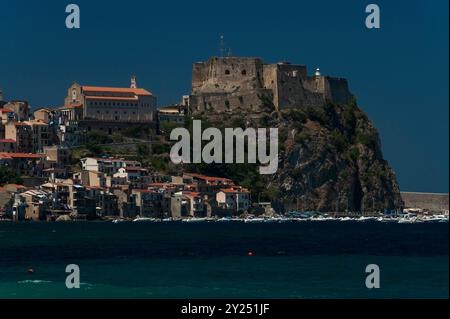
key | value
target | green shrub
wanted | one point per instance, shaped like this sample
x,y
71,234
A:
x,y
339,141
8,176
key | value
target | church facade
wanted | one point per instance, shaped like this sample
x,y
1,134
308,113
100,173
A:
x,y
118,104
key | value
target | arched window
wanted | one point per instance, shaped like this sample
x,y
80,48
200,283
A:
x,y
227,72
244,72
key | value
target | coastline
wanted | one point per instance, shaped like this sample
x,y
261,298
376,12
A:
x,y
382,219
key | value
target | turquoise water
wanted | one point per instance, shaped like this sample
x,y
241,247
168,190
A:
x,y
210,260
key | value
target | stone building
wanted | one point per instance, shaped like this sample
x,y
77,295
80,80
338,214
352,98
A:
x,y
31,136
8,146
235,198
131,104
59,154
20,109
230,83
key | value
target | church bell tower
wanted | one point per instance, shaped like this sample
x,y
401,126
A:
x,y
133,82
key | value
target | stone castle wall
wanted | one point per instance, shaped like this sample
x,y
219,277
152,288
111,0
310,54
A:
x,y
228,83
433,202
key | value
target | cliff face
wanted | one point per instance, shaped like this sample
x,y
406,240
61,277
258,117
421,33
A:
x,y
330,159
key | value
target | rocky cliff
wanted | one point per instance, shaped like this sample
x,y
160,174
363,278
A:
x,y
330,159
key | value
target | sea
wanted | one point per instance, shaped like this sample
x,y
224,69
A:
x,y
222,260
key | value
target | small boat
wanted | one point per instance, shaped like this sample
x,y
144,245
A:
x,y
144,219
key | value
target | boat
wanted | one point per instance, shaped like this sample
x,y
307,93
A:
x,y
144,219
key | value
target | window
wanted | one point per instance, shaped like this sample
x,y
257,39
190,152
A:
x,y
227,72
244,72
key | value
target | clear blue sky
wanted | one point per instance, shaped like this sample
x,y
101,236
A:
x,y
399,73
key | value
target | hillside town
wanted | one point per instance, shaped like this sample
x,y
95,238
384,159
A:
x,y
36,146
103,153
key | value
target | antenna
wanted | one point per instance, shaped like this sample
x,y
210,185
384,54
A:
x,y
222,46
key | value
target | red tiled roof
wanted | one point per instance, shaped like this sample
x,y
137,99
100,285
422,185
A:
x,y
102,89
17,186
121,98
234,190
6,110
7,140
191,194
208,178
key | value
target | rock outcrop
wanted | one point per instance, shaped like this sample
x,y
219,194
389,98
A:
x,y
330,158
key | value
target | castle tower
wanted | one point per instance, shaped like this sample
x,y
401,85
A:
x,y
133,82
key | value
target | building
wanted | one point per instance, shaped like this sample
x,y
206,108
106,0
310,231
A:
x,y
131,174
126,203
22,163
109,166
224,84
206,185
8,146
45,115
174,115
31,136
72,133
97,103
91,178
106,204
235,198
20,110
59,154
22,133
66,195
18,208
6,115
38,203
148,202
194,204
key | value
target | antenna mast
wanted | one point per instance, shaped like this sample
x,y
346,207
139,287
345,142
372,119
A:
x,y
222,46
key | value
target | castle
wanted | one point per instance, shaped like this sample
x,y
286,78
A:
x,y
228,83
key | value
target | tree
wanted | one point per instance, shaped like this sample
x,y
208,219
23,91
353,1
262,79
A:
x,y
8,176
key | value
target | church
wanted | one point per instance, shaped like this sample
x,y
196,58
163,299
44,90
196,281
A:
x,y
111,104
